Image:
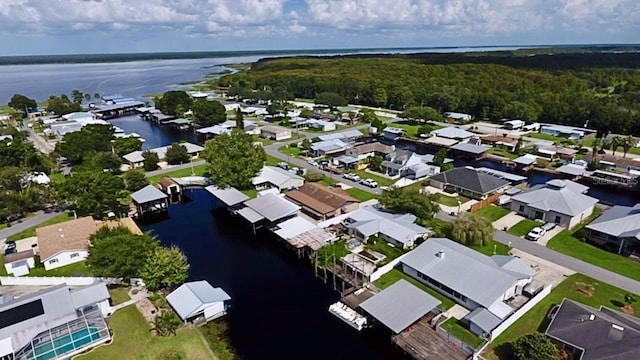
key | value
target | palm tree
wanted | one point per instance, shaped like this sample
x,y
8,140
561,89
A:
x,y
97,96
627,143
615,142
166,323
87,96
595,147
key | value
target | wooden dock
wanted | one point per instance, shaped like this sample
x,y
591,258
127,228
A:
x,y
355,298
420,341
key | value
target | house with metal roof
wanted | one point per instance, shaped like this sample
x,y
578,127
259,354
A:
x,y
55,323
65,243
271,177
135,158
487,285
276,133
322,202
458,117
346,136
399,230
618,229
407,163
469,182
198,301
329,147
558,201
590,334
452,132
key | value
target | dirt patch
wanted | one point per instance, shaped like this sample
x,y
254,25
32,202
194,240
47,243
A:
x,y
627,309
585,289
147,309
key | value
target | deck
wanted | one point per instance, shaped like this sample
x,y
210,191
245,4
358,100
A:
x,y
422,342
354,299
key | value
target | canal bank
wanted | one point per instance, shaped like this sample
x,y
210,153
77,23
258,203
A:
x,y
279,308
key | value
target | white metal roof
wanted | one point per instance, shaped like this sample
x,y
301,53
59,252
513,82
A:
x,y
452,132
229,196
562,197
294,226
272,207
191,296
147,194
274,175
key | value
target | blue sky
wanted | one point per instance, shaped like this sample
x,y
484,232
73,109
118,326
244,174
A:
x,y
97,26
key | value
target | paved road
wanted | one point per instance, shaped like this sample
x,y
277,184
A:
x,y
37,219
174,168
38,141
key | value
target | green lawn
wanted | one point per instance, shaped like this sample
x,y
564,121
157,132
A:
x,y
383,247
330,254
394,275
536,320
119,295
199,170
493,212
71,270
502,152
457,329
291,151
523,227
499,248
252,193
273,161
133,340
32,230
442,228
548,137
360,194
382,181
446,200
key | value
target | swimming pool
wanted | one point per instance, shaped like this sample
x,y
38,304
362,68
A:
x,y
65,344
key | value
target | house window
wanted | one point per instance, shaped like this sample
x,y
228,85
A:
x,y
53,261
557,220
74,255
521,208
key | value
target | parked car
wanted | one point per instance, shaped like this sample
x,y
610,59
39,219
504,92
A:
x,y
369,182
548,226
352,177
536,233
283,165
10,247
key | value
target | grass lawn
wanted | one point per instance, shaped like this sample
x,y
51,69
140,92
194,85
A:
x,y
492,212
119,295
272,160
383,247
291,151
410,130
326,253
445,199
542,136
133,340
32,230
499,248
71,270
198,170
457,329
502,152
523,227
382,181
536,320
360,194
3,271
252,193
394,275
442,228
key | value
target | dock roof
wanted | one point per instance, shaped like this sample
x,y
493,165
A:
x,y
230,196
272,207
400,305
147,194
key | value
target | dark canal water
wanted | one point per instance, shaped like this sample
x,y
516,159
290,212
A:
x,y
153,134
279,308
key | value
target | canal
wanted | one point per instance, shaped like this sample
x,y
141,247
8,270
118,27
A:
x,y
279,309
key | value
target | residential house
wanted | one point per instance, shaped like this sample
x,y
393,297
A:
x,y
499,141
321,125
618,229
80,117
19,263
135,158
469,150
55,323
513,124
407,163
346,136
452,132
570,132
274,177
329,147
458,118
276,133
364,151
399,230
611,162
321,202
392,133
195,301
558,201
590,334
485,288
65,243
468,182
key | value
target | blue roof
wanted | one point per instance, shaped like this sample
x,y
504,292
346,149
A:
x,y
120,105
112,97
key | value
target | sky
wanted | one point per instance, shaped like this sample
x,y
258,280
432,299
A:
x,y
30,27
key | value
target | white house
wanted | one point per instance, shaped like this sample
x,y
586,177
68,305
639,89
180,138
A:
x,y
198,299
135,158
513,124
274,177
460,117
392,133
276,133
559,201
65,243
19,263
452,132
81,117
399,230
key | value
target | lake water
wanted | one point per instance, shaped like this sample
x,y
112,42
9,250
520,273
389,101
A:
x,y
154,135
279,309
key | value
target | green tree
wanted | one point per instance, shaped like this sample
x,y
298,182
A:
x,y
425,129
125,145
439,160
409,200
77,145
378,124
92,192
151,160
106,161
424,113
472,229
534,346
380,97
77,96
119,253
233,160
166,323
627,143
87,97
165,268
177,154
62,105
368,116
239,119
306,113
330,99
134,180
171,102
375,162
207,113
518,146
306,144
11,178
22,103
596,146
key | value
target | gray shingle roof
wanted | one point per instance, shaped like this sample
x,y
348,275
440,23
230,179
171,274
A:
x,y
464,270
561,196
602,334
272,207
400,305
190,296
229,196
147,194
471,179
619,221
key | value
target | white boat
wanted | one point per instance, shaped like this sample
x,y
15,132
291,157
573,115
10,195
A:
x,y
348,315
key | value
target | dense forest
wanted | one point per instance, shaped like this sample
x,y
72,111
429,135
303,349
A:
x,y
598,89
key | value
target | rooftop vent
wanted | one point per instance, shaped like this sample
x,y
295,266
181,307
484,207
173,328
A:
x,y
440,254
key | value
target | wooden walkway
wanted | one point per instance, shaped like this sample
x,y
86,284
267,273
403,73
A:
x,y
422,342
354,299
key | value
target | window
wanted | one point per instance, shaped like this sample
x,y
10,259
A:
x,y
74,255
53,261
521,208
557,220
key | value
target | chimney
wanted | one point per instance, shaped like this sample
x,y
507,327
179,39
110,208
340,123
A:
x,y
440,254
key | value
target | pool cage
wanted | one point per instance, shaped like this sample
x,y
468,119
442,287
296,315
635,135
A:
x,y
85,331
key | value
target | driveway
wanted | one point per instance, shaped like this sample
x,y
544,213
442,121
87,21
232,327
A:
x,y
547,272
549,235
507,221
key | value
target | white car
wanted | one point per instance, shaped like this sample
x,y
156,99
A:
x,y
369,182
352,177
535,234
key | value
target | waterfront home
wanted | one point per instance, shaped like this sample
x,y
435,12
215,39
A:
x,y
469,150
575,133
135,159
276,133
611,162
80,117
267,210
346,136
468,182
364,151
453,133
329,147
65,243
590,334
197,301
392,133
618,229
212,131
485,288
19,263
321,202
54,323
499,141
458,117
273,177
399,230
558,201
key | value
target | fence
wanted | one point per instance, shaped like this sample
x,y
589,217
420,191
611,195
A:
x,y
521,311
454,340
385,269
53,280
484,203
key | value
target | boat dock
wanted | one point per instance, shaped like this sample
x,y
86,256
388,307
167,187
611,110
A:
x,y
420,341
355,298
